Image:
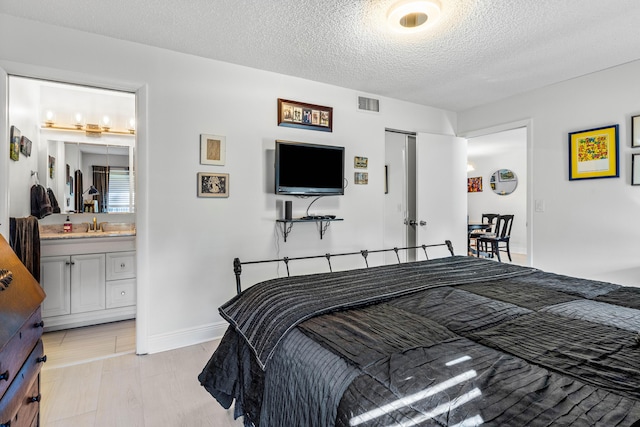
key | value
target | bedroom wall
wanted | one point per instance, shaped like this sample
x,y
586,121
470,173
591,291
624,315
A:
x,y
186,244
588,227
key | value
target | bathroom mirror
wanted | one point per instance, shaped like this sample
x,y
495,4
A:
x,y
503,182
97,178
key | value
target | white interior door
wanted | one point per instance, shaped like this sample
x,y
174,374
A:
x,y
441,192
4,157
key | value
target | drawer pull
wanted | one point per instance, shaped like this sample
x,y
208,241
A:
x,y
42,359
122,265
40,324
34,399
4,376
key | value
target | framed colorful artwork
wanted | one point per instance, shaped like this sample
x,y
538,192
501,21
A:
x,y
14,143
594,153
474,185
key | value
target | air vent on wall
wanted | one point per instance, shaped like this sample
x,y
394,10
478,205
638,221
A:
x,y
368,104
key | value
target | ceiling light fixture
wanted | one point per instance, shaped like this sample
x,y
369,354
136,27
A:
x,y
411,16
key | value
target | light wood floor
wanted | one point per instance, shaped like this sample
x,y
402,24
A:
x,y
93,378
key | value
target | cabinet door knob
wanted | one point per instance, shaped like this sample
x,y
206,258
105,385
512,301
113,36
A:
x,y
42,359
123,293
122,265
4,376
35,398
40,324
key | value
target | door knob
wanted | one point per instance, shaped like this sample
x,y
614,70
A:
x,y
413,222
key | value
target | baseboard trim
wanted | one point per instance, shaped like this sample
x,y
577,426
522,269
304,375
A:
x,y
186,337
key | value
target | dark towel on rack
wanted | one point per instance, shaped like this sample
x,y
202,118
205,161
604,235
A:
x,y
40,203
54,202
24,239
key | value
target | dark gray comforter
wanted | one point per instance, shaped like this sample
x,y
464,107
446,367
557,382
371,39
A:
x,y
455,341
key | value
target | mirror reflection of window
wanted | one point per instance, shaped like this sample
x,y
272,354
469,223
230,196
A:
x,y
503,182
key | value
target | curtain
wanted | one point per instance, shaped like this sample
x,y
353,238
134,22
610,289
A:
x,y
77,197
101,182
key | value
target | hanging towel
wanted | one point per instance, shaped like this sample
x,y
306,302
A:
x,y
54,202
40,203
24,239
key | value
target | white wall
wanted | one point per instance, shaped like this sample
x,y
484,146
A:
x,y
186,244
489,153
588,227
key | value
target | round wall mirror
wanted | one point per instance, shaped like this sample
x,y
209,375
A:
x,y
503,182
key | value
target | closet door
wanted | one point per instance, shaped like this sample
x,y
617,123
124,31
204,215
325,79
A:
x,y
441,192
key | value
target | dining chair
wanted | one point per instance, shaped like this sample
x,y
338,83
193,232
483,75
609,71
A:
x,y
498,241
487,218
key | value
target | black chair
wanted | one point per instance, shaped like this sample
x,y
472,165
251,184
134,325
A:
x,y
490,220
499,241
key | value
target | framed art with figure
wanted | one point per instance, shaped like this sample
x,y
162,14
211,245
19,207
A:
x,y
213,184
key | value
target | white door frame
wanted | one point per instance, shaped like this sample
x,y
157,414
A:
x,y
142,144
528,124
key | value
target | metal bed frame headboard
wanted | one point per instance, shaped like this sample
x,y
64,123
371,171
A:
x,y
237,264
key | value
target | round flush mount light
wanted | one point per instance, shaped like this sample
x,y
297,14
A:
x,y
411,16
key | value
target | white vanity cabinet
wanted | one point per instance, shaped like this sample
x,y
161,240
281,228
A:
x,y
87,281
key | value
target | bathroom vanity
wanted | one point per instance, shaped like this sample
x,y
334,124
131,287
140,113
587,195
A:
x,y
89,277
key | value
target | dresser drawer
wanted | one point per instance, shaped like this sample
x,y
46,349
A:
x,y
18,348
121,293
121,265
22,397
27,415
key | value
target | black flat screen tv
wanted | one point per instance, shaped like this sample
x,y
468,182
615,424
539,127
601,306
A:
x,y
309,169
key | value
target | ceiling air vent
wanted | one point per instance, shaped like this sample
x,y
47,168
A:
x,y
368,104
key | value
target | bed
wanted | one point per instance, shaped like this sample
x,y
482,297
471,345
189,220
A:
x,y
453,341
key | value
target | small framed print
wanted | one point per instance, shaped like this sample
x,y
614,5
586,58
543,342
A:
x,y
361,178
213,149
213,184
474,184
635,169
635,131
300,115
14,143
360,162
25,146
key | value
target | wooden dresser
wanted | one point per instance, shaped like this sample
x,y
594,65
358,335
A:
x,y
21,350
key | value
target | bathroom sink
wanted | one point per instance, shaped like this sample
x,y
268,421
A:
x,y
80,228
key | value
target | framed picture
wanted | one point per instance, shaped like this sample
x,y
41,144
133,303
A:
x,y
213,149
506,175
593,153
14,144
52,167
25,146
474,185
635,131
635,169
300,115
361,178
360,162
213,184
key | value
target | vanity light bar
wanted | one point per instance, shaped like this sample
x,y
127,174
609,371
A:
x,y
89,129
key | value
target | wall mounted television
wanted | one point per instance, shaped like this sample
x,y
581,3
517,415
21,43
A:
x,y
304,169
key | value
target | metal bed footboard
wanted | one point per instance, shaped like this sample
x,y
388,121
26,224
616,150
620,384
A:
x,y
237,264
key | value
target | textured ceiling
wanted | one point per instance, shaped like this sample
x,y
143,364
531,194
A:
x,y
480,51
